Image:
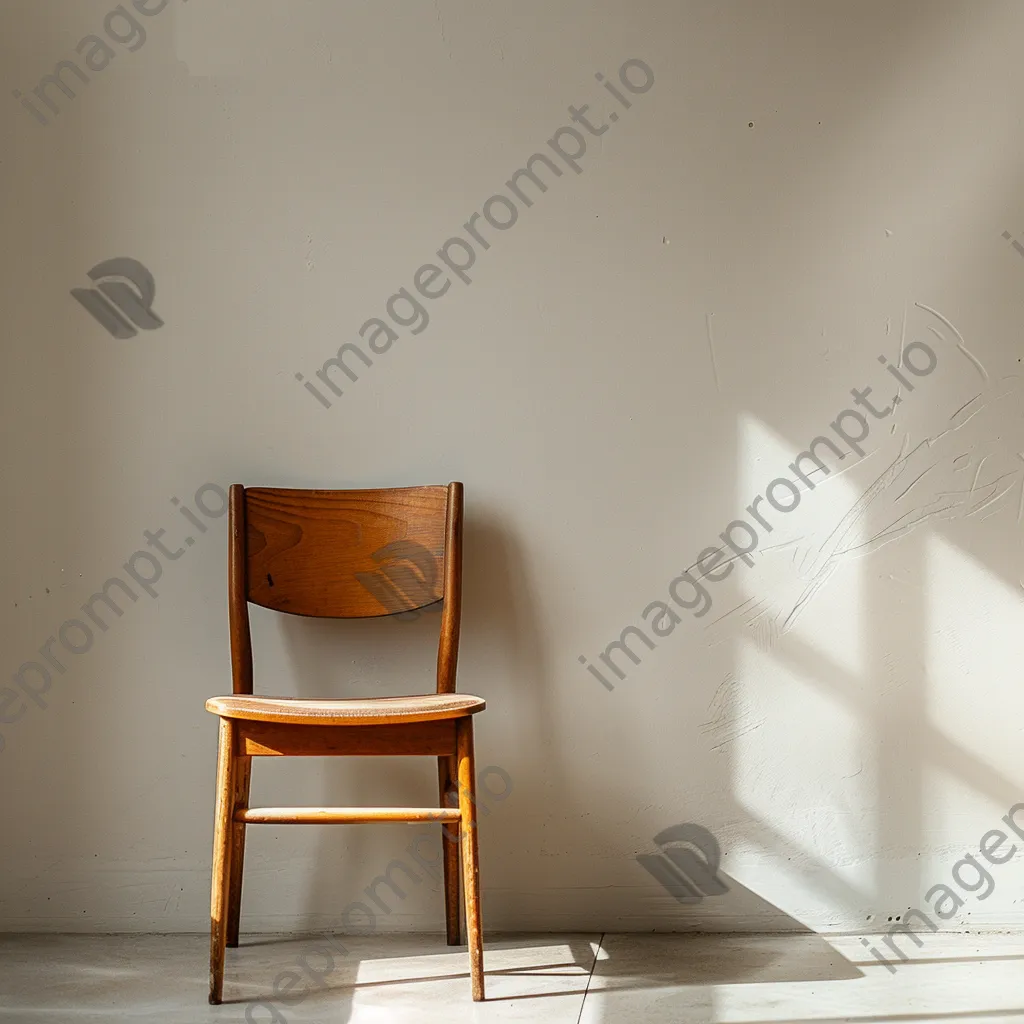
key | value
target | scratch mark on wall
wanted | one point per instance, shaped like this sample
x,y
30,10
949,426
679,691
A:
x,y
834,543
963,495
977,473
1010,389
440,27
711,349
899,362
917,486
1020,506
734,610
961,344
970,401
914,481
730,718
783,546
995,497
766,628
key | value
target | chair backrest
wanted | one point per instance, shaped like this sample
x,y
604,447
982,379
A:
x,y
345,554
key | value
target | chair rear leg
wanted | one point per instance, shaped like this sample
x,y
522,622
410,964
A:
x,y
448,787
470,852
222,841
243,776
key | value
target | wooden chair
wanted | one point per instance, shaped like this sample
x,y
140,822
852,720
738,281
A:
x,y
318,553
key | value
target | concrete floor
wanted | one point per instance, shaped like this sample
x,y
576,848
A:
x,y
561,979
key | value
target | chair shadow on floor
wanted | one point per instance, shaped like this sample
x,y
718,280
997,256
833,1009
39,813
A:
x,y
312,974
296,979
698,950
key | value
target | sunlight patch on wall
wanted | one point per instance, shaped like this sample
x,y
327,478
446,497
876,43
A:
x,y
975,700
802,579
799,763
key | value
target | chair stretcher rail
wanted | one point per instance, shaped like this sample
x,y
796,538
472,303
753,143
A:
x,y
343,815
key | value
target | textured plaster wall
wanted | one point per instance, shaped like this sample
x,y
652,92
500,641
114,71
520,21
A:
x,y
618,366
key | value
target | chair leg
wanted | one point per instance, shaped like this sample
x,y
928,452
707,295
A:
x,y
470,854
243,776
447,784
222,838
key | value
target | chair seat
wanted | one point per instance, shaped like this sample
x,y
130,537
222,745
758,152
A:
x,y
347,710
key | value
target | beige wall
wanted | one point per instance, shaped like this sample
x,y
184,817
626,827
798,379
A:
x,y
804,187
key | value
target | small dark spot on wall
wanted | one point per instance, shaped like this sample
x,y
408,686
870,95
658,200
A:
x,y
270,579
750,124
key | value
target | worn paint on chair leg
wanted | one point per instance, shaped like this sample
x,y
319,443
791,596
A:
x,y
243,775
446,774
470,853
222,837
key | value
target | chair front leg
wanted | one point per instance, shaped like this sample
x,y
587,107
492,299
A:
x,y
243,776
223,832
470,852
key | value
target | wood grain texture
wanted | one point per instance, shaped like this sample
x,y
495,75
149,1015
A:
x,y
222,837
354,711
242,780
451,613
345,554
263,739
470,853
448,793
238,590
344,815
